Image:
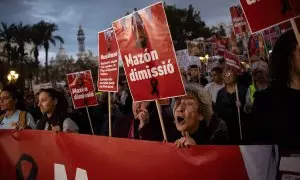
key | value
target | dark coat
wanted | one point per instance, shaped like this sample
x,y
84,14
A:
x,y
276,117
226,109
212,132
151,131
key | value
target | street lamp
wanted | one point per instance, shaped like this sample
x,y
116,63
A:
x,y
12,76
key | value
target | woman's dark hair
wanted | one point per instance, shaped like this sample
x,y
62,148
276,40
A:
x,y
218,70
62,105
16,95
281,59
60,112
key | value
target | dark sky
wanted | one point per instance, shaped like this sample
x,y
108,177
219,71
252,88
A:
x,y
96,15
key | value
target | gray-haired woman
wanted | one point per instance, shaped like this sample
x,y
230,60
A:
x,y
195,119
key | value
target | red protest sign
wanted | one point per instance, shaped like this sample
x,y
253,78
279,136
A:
x,y
108,72
232,60
148,54
82,89
222,45
75,156
238,19
262,14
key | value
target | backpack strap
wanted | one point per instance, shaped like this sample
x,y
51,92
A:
x,y
22,119
2,117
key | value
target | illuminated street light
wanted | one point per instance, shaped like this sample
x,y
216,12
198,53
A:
x,y
12,76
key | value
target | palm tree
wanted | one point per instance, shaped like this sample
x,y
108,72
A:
x,y
21,37
47,30
36,39
6,36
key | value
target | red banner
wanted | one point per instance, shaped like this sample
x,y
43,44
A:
x,y
48,155
148,54
108,72
82,89
238,19
232,60
262,14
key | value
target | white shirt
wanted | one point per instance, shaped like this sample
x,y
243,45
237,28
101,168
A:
x,y
7,122
212,89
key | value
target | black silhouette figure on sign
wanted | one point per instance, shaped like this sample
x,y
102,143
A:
x,y
154,84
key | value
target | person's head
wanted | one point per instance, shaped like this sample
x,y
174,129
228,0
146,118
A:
x,y
260,72
51,100
9,98
189,110
194,71
216,75
229,76
29,100
121,87
285,59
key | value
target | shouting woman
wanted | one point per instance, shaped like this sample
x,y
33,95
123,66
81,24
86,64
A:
x,y
195,119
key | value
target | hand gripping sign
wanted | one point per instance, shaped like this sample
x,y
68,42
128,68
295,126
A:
x,y
148,56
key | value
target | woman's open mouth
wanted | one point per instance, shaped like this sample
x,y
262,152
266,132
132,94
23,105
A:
x,y
180,120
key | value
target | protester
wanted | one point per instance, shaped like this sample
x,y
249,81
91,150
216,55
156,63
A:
x,y
116,114
196,121
55,115
259,72
144,124
227,104
276,109
194,74
203,80
14,117
123,99
245,78
217,83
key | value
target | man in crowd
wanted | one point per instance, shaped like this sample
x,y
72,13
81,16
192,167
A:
x,y
259,72
217,83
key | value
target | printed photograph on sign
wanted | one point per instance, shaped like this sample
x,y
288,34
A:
x,y
148,54
82,89
195,48
108,59
238,19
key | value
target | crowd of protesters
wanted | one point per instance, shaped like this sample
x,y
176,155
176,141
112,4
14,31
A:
x,y
230,109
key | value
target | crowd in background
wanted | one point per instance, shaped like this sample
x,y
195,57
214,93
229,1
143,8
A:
x,y
255,105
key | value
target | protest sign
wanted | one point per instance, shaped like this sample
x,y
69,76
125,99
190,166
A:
x,y
37,87
108,72
82,89
269,12
238,19
195,48
232,61
185,60
75,156
148,54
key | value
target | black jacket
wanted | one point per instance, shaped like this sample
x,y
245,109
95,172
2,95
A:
x,y
226,109
276,117
212,132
